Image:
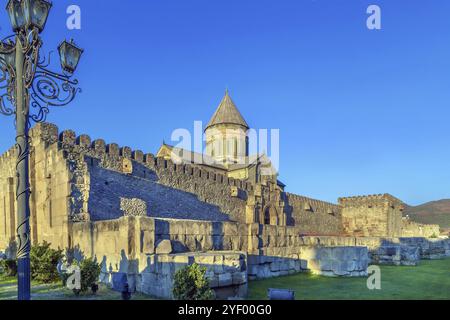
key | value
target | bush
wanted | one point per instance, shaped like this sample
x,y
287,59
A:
x,y
8,267
190,283
44,261
90,272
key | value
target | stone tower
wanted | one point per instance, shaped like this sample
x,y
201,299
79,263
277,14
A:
x,y
226,134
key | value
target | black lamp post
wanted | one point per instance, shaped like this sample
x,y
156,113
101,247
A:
x,y
26,82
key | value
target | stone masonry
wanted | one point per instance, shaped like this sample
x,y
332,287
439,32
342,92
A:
x,y
117,205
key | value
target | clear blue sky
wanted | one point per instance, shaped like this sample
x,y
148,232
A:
x,y
359,111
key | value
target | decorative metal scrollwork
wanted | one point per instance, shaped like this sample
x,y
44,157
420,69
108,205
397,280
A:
x,y
7,81
50,89
46,88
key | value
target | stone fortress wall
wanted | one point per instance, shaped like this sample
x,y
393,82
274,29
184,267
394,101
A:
x,y
375,215
380,216
120,206
315,216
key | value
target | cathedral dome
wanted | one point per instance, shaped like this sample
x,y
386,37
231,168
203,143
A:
x,y
227,114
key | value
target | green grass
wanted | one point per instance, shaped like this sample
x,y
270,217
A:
x,y
55,291
429,280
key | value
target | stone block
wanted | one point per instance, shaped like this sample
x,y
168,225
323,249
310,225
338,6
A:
x,y
206,260
164,247
326,264
253,269
225,279
214,281
274,266
119,279
181,259
239,278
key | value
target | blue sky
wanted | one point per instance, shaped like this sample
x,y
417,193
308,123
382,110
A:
x,y
359,111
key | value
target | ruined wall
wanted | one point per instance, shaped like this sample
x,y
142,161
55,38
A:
x,y
283,250
392,250
413,229
129,245
314,216
119,242
226,272
372,216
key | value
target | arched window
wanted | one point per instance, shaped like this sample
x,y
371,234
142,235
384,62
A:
x,y
267,216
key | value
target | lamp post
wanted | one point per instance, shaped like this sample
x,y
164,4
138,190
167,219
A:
x,y
27,90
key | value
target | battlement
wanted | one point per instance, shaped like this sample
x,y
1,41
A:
x,y
200,173
69,141
375,199
7,155
313,205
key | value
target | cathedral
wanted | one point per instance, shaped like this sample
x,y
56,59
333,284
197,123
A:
x,y
147,214
227,148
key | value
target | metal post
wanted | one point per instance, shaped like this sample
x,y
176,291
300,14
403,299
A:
x,y
23,183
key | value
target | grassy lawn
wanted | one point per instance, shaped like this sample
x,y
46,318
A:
x,y
8,291
429,280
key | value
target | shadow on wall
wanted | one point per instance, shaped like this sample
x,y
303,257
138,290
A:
x,y
11,250
74,254
226,272
107,187
182,241
289,210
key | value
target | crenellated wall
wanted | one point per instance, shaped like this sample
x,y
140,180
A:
x,y
118,204
51,192
414,229
372,216
315,216
121,163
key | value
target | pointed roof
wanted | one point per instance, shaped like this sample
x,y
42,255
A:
x,y
227,113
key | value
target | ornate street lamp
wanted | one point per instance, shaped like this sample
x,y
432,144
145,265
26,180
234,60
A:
x,y
25,81
70,55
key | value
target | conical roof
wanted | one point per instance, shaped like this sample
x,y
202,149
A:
x,y
227,113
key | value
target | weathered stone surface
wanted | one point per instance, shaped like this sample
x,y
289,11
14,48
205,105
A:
x,y
164,247
76,200
119,279
133,207
151,280
225,279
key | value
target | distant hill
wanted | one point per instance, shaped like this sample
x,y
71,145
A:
x,y
435,212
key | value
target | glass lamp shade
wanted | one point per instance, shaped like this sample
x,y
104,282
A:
x,y
36,13
7,54
16,14
70,55
8,58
